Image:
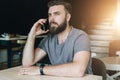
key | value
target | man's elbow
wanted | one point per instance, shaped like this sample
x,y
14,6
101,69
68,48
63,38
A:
x,y
26,64
80,74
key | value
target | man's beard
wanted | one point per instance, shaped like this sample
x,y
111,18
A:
x,y
59,29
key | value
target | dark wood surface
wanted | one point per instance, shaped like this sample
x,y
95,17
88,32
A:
x,y
114,46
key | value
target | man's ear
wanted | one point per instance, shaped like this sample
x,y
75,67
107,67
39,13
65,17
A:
x,y
68,17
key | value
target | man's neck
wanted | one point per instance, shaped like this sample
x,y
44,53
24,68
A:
x,y
63,35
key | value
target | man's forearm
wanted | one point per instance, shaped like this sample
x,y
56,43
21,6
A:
x,y
28,52
69,69
76,68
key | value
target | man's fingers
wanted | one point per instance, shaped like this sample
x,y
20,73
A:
x,y
42,21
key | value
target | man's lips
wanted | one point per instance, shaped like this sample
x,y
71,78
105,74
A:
x,y
53,23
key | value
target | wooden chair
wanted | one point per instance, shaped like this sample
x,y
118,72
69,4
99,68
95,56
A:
x,y
98,68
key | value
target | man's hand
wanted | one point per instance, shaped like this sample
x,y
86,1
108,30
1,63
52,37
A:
x,y
36,29
31,70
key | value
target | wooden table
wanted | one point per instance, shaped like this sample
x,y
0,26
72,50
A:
x,y
113,64
11,74
9,46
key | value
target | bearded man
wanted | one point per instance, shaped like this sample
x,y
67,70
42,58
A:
x,y
68,48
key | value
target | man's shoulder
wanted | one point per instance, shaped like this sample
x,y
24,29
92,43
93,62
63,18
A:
x,y
78,31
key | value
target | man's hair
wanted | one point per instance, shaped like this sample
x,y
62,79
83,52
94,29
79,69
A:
x,y
67,6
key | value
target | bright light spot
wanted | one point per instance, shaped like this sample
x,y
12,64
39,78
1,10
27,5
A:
x,y
117,21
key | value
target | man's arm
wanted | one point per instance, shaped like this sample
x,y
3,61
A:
x,y
28,52
31,56
76,68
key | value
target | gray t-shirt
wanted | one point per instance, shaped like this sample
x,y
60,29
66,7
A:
x,y
76,41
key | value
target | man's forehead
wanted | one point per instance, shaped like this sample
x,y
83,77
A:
x,y
56,8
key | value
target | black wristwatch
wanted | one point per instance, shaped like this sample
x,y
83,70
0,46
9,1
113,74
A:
x,y
41,69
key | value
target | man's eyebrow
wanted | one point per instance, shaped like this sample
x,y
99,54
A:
x,y
55,12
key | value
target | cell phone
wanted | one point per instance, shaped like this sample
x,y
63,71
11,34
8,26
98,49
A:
x,y
45,26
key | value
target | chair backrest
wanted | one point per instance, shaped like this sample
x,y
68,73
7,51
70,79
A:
x,y
98,68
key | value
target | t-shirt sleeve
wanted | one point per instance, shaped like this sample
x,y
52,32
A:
x,y
82,43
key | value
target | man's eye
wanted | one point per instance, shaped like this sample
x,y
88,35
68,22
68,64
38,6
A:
x,y
49,15
57,13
